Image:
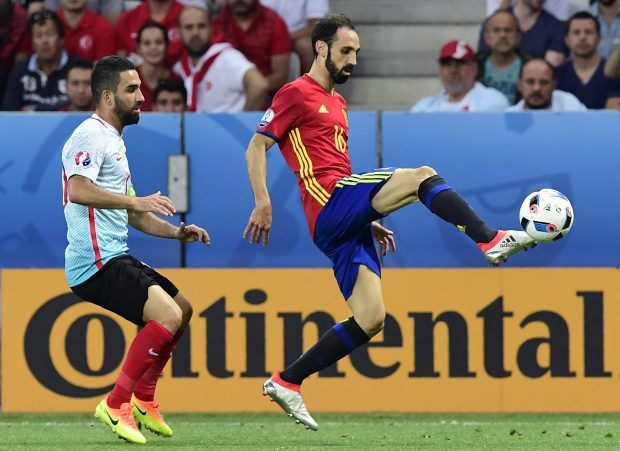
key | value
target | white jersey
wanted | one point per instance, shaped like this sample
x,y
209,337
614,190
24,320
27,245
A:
x,y
220,89
479,98
96,151
560,101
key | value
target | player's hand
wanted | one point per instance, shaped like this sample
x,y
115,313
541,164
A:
x,y
155,203
191,233
384,237
259,224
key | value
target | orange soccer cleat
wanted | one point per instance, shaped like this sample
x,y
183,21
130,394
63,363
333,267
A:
x,y
147,414
121,421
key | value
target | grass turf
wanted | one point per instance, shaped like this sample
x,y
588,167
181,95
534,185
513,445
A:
x,y
253,431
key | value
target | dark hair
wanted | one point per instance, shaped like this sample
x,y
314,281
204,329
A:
x,y
152,24
79,63
581,15
40,17
6,13
107,75
326,28
549,65
170,85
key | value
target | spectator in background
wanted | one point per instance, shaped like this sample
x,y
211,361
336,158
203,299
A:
x,y
260,34
300,17
34,6
560,9
583,75
500,66
542,35
87,34
13,24
110,9
152,47
608,14
218,78
165,12
170,96
461,93
39,83
78,87
537,86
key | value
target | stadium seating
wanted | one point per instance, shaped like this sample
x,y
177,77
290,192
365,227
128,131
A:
x,y
400,42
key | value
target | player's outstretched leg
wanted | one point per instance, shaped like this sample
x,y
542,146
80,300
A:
x,y
147,414
287,396
120,420
409,185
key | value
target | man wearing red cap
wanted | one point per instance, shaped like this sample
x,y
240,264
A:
x,y
461,92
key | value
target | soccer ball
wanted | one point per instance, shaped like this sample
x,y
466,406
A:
x,y
546,215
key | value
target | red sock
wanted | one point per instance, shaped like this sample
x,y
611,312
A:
x,y
144,349
145,388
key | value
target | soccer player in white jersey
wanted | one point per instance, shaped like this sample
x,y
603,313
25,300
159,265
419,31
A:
x,y
100,202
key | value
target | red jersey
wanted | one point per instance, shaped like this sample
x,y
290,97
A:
x,y
266,37
91,39
129,25
311,128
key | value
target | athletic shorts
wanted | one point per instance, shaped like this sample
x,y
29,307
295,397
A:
x,y
343,231
121,286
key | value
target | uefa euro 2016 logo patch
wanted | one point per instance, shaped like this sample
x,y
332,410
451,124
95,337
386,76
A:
x,y
82,158
267,117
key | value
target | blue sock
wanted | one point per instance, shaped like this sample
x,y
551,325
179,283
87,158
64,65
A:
x,y
442,200
336,343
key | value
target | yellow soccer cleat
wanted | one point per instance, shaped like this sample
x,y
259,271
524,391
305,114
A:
x,y
147,414
121,421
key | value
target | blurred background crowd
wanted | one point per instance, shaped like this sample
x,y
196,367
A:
x,y
233,55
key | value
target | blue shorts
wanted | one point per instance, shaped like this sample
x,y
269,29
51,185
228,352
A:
x,y
343,231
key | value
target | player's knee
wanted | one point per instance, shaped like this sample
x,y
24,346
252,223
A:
x,y
424,172
187,311
173,319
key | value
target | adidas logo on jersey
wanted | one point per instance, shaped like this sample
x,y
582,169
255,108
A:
x,y
323,110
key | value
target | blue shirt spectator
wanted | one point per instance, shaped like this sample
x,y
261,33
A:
x,y
595,92
608,15
584,75
544,36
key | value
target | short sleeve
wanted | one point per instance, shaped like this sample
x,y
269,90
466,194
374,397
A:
x,y
556,37
236,67
315,9
281,40
83,155
283,115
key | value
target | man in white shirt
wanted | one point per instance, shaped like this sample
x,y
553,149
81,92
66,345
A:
x,y
461,93
218,78
537,87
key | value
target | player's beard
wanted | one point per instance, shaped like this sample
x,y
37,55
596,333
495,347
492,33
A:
x,y
337,75
126,115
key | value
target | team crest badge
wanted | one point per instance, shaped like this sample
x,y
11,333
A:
x,y
267,118
82,158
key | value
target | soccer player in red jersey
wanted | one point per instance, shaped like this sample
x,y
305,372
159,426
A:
x,y
308,120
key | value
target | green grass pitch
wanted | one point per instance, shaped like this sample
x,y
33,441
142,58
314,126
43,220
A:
x,y
369,431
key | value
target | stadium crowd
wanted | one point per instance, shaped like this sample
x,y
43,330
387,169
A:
x,y
234,55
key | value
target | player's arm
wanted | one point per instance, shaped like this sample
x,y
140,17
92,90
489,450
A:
x,y
279,71
259,224
83,191
152,225
255,85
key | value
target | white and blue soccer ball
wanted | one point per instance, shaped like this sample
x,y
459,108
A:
x,y
546,215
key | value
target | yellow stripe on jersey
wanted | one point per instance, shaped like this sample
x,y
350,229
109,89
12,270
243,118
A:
x,y
305,168
371,177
